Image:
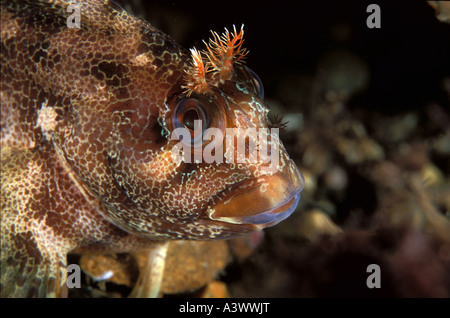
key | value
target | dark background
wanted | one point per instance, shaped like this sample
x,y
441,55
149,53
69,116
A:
x,y
408,57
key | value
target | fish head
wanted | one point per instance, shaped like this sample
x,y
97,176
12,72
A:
x,y
226,140
198,159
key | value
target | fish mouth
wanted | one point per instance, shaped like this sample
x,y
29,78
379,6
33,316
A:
x,y
260,202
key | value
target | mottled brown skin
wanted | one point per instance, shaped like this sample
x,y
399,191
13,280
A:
x,y
85,150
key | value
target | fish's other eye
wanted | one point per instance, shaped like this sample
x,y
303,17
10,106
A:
x,y
258,83
190,114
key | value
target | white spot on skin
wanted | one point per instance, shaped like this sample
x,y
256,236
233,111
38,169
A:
x,y
142,59
47,120
10,27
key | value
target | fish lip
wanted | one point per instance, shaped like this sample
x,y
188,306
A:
x,y
270,217
264,218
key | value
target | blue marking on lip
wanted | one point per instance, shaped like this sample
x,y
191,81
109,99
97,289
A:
x,y
273,218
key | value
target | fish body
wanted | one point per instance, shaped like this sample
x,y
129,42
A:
x,y
88,155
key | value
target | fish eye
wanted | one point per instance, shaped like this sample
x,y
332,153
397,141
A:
x,y
189,118
258,83
190,114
